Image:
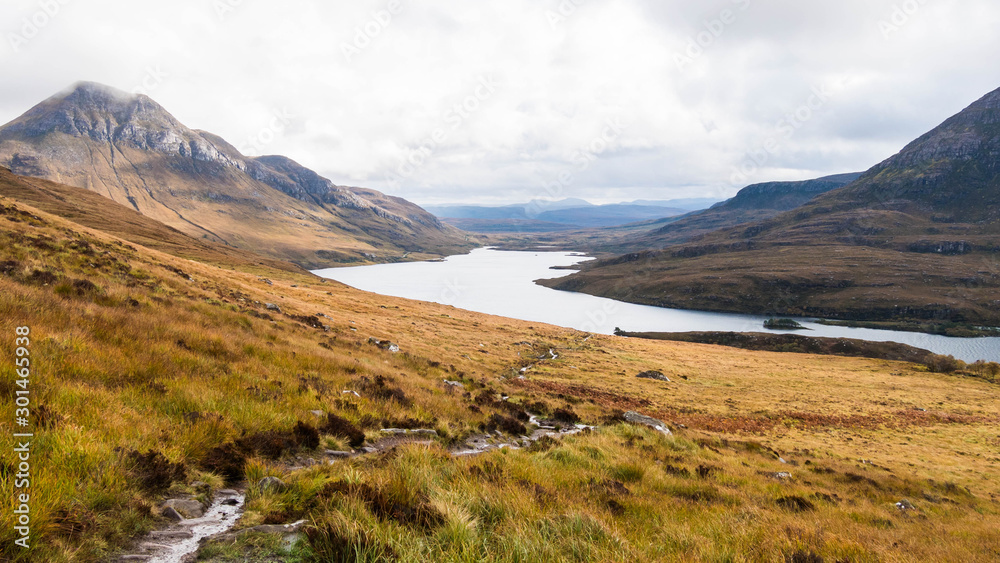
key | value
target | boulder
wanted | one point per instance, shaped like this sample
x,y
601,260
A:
x,y
636,418
653,374
188,508
272,307
172,514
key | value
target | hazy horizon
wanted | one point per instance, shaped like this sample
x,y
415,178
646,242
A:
x,y
501,103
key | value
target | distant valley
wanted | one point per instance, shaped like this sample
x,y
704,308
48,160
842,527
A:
x,y
540,216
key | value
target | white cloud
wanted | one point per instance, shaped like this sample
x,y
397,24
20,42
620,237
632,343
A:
x,y
367,86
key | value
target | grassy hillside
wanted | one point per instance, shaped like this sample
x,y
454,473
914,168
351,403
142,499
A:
x,y
153,372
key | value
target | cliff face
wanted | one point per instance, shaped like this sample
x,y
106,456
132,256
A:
x,y
131,150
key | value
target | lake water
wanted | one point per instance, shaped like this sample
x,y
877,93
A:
x,y
501,283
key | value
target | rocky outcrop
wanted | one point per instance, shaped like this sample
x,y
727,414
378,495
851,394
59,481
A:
x,y
643,420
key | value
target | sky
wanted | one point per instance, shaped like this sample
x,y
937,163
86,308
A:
x,y
504,101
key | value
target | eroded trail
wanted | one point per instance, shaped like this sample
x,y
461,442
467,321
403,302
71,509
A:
x,y
179,542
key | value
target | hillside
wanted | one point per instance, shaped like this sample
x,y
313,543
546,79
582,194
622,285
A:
x,y
154,377
915,238
753,203
92,210
130,149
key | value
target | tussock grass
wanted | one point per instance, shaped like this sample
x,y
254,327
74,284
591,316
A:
x,y
148,360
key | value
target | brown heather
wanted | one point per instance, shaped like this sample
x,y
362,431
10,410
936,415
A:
x,y
145,371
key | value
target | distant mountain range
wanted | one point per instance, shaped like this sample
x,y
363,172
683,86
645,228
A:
x,y
566,214
130,149
753,203
916,237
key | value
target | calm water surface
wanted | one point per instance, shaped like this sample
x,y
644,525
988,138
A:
x,y
501,283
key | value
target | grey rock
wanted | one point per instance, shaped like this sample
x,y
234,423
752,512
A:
x,y
171,534
394,431
384,344
229,492
636,418
424,432
134,558
783,476
188,508
905,505
272,484
272,307
337,455
320,414
653,374
172,514
454,384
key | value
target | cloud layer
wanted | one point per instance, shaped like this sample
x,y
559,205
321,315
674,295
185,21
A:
x,y
502,101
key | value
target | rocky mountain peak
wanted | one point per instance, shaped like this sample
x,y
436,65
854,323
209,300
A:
x,y
103,113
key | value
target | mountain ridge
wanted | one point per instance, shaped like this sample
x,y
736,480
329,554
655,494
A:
x,y
916,237
130,149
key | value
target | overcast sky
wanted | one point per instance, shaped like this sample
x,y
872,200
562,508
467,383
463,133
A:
x,y
499,101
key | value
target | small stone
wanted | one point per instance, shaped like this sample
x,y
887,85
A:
x,y
783,476
320,414
272,307
229,492
424,432
394,431
905,505
337,455
454,384
172,514
272,484
134,558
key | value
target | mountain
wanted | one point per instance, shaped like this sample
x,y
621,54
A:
x,y
915,238
131,150
687,204
548,216
753,203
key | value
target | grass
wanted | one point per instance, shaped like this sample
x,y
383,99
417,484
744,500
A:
x,y
153,361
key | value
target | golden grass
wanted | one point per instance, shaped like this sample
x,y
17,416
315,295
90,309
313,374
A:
x,y
126,366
